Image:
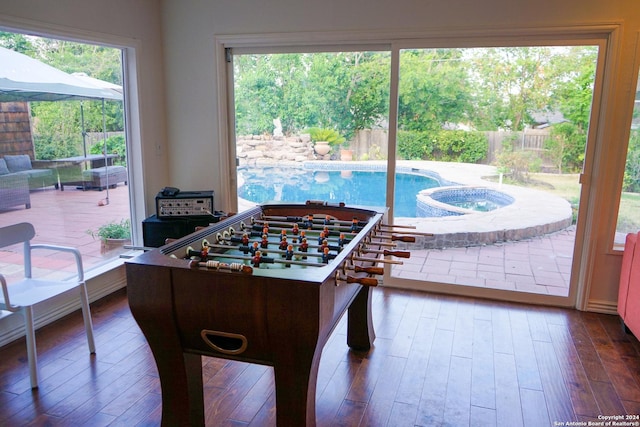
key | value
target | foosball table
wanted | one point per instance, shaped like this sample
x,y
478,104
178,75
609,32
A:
x,y
265,286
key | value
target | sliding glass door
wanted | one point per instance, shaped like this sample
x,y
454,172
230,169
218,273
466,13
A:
x,y
476,152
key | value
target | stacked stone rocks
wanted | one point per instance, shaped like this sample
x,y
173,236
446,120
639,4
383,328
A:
x,y
267,149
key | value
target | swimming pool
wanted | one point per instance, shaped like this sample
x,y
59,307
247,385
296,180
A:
x,y
353,187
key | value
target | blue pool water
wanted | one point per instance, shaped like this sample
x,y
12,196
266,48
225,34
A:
x,y
366,188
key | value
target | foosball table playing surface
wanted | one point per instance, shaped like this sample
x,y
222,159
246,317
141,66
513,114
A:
x,y
265,286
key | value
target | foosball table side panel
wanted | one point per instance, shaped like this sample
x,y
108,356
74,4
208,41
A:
x,y
222,314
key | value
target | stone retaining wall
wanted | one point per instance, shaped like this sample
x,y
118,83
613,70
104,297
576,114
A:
x,y
265,149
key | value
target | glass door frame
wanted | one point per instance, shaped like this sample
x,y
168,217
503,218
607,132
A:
x,y
604,36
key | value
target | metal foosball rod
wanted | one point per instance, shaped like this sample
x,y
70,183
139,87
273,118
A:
x,y
415,233
413,227
270,260
370,270
272,248
317,228
368,241
353,257
390,229
315,220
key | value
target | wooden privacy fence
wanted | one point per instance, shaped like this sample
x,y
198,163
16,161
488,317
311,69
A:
x,y
528,140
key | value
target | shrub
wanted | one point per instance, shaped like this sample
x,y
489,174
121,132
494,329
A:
x,y
414,145
115,145
444,145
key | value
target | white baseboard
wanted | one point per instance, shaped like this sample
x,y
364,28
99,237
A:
x,y
604,307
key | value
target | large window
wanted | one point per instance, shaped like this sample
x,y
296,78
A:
x,y
62,125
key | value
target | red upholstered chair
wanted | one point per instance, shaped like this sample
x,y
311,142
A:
x,y
23,295
629,290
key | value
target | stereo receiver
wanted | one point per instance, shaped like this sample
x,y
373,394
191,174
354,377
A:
x,y
179,204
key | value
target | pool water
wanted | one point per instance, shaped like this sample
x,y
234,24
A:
x,y
480,205
367,188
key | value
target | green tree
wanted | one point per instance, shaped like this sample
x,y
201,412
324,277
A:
x,y
631,181
566,146
509,84
433,89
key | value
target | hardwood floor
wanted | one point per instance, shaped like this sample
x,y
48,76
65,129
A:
x,y
437,360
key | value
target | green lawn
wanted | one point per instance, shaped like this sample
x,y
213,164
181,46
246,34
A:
x,y
568,187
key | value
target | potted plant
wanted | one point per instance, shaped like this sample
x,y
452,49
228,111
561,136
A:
x,y
113,235
324,139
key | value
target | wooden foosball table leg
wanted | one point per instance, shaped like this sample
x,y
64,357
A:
x,y
360,332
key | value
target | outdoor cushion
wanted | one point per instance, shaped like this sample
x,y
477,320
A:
x,y
3,167
21,162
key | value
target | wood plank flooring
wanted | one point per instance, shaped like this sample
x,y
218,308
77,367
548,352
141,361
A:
x,y
437,360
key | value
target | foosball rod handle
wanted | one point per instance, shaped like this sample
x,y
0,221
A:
x,y
370,270
399,254
408,239
365,281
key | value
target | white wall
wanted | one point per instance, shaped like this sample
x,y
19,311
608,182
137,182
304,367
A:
x,y
190,26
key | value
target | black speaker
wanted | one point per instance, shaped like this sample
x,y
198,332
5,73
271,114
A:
x,y
155,231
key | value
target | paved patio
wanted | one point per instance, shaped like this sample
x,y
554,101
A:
x,y
539,265
63,218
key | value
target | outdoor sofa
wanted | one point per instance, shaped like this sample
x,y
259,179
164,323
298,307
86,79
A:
x,y
21,164
14,190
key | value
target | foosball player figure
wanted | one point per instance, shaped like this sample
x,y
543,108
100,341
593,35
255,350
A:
x,y
323,245
296,229
342,240
245,239
283,244
304,247
253,248
265,229
283,234
303,235
308,222
264,243
321,237
289,255
256,259
327,220
204,252
325,255
354,225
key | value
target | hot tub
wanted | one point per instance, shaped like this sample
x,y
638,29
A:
x,y
460,200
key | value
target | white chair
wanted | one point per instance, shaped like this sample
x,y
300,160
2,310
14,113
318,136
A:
x,y
23,295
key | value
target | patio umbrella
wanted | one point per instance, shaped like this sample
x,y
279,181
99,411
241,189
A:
x,y
26,79
23,78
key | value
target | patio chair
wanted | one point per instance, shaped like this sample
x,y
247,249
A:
x,y
23,295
